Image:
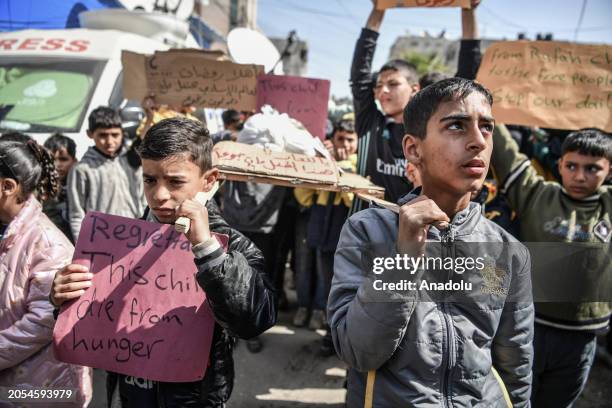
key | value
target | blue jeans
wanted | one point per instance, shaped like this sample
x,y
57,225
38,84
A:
x,y
562,361
314,269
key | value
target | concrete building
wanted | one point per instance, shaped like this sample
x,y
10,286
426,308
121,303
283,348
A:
x,y
295,60
445,49
213,19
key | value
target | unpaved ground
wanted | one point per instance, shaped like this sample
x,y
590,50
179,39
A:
x,y
288,373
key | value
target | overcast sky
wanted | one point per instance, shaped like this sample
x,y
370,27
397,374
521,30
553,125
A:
x,y
331,27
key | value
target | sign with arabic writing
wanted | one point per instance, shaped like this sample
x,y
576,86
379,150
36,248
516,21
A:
x,y
243,158
191,78
385,4
303,99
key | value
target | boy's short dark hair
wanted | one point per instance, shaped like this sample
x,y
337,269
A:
x,y
425,103
407,69
345,125
176,136
104,117
589,142
57,142
230,117
431,78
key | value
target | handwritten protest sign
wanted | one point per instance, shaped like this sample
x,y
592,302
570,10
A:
x,y
144,315
191,78
385,4
550,84
303,99
242,162
239,157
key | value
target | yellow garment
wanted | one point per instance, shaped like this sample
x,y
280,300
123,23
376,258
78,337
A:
x,y
160,114
306,196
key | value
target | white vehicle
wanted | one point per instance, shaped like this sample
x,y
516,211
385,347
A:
x,y
50,80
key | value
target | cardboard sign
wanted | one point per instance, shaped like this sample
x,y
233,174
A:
x,y
550,84
243,158
303,99
144,315
189,78
385,4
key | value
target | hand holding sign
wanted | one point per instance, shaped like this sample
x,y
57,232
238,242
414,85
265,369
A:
x,y
69,283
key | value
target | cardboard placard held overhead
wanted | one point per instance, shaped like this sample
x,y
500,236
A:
x,y
303,99
190,78
385,4
549,83
144,315
134,75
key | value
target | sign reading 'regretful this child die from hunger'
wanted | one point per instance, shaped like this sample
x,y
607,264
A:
x,y
144,315
551,84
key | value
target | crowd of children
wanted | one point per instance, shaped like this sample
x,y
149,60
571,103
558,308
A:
x,y
430,141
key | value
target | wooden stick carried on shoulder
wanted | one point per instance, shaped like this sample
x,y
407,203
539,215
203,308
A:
x,y
183,224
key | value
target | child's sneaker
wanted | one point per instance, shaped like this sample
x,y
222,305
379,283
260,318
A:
x,y
318,320
301,317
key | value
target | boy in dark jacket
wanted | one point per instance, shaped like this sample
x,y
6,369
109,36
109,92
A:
x,y
177,164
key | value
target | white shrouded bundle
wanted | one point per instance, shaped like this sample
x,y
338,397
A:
x,y
279,132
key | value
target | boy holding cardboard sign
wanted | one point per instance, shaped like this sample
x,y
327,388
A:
x,y
413,346
177,164
379,101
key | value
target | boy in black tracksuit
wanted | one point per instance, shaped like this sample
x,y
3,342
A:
x,y
380,134
177,163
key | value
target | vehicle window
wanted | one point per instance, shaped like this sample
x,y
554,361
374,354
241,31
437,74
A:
x,y
46,95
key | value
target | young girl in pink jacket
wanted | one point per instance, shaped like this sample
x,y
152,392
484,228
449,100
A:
x,y
32,249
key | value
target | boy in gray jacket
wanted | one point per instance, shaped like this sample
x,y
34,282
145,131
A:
x,y
456,331
104,180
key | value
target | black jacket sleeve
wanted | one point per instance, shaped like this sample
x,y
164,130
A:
x,y
469,59
362,83
237,288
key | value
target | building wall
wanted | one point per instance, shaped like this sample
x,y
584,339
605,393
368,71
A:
x,y
296,63
224,15
447,50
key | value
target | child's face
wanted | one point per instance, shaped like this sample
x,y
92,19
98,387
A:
x,y
169,182
582,175
346,141
108,141
412,173
454,156
63,162
393,91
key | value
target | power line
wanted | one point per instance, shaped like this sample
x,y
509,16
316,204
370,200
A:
x,y
584,3
348,12
502,19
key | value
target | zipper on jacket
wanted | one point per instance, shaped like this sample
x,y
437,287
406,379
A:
x,y
448,238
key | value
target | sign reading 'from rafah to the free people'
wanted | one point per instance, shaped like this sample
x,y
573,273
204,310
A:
x,y
551,84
